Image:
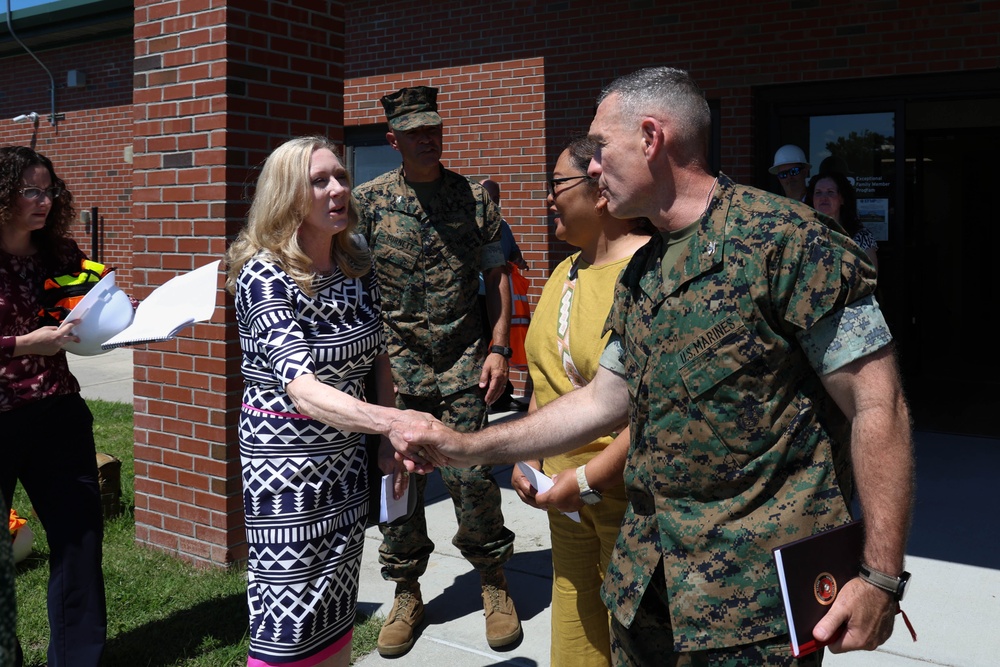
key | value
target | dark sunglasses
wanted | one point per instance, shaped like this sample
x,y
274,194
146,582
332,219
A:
x,y
794,171
566,179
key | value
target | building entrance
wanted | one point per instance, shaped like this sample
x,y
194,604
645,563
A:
x,y
950,362
922,152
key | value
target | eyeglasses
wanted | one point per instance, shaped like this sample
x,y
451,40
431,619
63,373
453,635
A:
x,y
566,179
794,171
38,193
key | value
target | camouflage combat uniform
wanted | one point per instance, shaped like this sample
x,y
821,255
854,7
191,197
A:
x,y
428,266
736,447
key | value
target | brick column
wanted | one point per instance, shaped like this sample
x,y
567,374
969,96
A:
x,y
217,86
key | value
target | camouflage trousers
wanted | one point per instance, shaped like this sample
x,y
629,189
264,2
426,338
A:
x,y
649,641
482,537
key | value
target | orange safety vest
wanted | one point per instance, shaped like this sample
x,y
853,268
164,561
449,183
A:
x,y
62,293
520,316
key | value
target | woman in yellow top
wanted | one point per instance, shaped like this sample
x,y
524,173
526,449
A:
x,y
563,354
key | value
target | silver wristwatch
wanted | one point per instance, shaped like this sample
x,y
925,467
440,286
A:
x,y
590,496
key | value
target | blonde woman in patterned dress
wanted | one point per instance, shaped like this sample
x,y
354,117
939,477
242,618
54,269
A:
x,y
308,311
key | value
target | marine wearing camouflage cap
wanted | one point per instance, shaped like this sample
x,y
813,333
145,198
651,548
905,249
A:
x,y
408,108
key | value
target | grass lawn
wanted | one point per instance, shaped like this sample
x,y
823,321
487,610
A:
x,y
161,611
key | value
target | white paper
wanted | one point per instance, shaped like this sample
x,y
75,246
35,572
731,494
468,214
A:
x,y
542,483
174,305
792,630
391,508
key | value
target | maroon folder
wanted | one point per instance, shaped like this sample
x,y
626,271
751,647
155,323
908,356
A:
x,y
811,572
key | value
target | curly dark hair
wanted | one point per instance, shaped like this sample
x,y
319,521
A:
x,y
14,160
849,210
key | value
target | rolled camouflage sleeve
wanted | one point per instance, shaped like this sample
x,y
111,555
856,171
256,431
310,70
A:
x,y
820,272
845,336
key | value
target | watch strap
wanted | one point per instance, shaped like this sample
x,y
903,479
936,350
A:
x,y
888,583
503,351
585,490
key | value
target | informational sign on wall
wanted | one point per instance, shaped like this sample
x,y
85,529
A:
x,y
874,214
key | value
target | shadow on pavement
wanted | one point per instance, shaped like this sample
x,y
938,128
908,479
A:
x,y
954,517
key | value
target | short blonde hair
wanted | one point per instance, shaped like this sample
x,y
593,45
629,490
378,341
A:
x,y
283,200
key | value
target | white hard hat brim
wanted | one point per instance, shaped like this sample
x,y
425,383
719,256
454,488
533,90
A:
x,y
788,154
103,312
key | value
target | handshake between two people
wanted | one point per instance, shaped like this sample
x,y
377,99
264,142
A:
x,y
420,443
416,442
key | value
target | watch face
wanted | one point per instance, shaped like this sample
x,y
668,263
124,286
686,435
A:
x,y
591,497
904,579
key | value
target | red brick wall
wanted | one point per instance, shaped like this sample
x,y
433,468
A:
x,y
729,47
88,147
207,112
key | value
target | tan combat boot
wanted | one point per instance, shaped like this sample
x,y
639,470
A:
x,y
502,624
396,636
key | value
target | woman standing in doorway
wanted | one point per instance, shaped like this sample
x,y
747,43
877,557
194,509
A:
x,y
832,194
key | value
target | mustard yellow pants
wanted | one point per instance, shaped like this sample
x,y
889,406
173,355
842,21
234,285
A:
x,y
581,624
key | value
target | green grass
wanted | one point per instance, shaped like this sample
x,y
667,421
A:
x,y
162,612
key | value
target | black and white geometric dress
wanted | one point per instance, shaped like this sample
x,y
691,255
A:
x,y
304,483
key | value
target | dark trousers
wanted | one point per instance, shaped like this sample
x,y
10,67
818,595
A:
x,y
49,447
482,537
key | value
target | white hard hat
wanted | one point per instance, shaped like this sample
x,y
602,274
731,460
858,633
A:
x,y
788,154
102,313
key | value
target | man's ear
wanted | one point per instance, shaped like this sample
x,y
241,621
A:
x,y
390,136
653,139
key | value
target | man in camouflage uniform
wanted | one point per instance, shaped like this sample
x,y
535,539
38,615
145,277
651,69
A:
x,y
431,232
753,365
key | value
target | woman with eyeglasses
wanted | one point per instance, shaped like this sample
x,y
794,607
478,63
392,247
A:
x,y
563,354
831,193
48,441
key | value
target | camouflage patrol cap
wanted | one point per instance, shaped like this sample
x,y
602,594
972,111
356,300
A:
x,y
408,108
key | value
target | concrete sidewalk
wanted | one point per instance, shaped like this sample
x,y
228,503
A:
x,y
954,556
106,377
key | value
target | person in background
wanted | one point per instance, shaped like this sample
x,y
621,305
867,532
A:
x,y
511,251
752,410
308,316
832,194
432,231
520,316
57,466
792,169
563,354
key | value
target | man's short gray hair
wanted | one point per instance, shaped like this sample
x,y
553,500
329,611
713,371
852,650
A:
x,y
670,94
